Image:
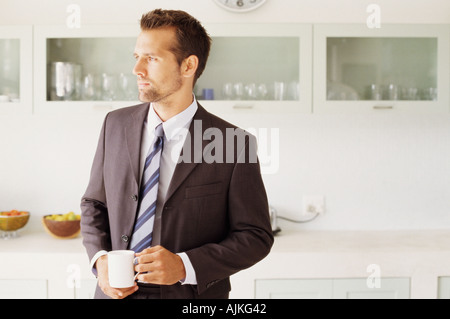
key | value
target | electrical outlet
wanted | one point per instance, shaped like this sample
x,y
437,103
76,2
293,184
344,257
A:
x,y
313,204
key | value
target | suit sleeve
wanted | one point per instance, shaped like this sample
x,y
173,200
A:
x,y
250,237
94,212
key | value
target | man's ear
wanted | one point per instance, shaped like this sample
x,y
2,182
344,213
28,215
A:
x,y
189,66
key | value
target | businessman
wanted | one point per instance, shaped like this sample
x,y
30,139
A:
x,y
170,182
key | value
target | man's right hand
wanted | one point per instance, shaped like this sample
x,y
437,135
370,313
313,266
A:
x,y
103,281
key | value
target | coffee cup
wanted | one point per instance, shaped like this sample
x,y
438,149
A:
x,y
121,268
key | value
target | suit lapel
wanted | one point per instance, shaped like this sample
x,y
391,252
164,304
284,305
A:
x,y
133,132
194,145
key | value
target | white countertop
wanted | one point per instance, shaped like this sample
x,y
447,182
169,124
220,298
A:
x,y
402,241
38,241
363,241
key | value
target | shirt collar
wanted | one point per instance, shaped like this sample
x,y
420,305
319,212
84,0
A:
x,y
173,125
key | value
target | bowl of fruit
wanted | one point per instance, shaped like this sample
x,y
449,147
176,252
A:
x,y
11,221
62,226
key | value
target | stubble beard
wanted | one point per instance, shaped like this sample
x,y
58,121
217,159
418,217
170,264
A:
x,y
153,95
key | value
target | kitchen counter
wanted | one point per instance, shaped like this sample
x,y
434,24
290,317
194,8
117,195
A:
x,y
422,256
38,241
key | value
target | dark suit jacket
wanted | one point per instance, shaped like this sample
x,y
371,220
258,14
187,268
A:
x,y
215,212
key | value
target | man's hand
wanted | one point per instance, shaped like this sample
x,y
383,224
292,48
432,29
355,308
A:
x,y
103,281
158,265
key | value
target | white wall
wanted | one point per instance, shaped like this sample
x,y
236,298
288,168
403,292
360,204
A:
x,y
378,171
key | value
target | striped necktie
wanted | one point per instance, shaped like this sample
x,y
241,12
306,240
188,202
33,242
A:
x,y
143,227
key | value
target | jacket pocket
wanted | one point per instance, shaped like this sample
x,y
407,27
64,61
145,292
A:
x,y
203,190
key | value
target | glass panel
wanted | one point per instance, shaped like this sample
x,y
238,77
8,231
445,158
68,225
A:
x,y
91,69
9,70
381,68
251,68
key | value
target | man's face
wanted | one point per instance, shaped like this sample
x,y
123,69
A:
x,y
157,70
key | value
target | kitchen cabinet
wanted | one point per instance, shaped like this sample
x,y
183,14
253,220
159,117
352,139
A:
x,y
338,264
60,267
37,289
306,264
84,70
250,68
23,289
444,287
293,289
343,288
401,68
258,68
86,289
15,69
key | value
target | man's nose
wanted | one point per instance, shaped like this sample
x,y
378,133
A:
x,y
139,70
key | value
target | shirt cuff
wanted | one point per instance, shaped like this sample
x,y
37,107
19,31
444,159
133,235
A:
x,y
94,259
191,278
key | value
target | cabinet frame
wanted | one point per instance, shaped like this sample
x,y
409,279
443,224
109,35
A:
x,y
24,34
41,34
301,31
323,31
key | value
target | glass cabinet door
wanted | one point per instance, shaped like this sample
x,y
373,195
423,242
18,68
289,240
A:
x,y
262,67
10,70
84,70
15,69
252,68
395,67
91,69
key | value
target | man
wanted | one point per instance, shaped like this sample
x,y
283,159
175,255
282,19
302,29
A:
x,y
211,217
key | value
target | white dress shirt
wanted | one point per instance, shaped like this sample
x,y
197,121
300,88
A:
x,y
175,132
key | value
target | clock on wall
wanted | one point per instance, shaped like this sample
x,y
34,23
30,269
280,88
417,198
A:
x,y
240,5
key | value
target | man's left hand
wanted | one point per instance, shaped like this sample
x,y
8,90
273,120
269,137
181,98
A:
x,y
158,265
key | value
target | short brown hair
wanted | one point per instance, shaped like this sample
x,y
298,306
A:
x,y
191,35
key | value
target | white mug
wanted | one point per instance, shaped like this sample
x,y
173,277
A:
x,y
121,268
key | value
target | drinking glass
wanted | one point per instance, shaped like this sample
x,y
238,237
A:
x,y
239,90
262,91
227,91
278,91
250,91
109,87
